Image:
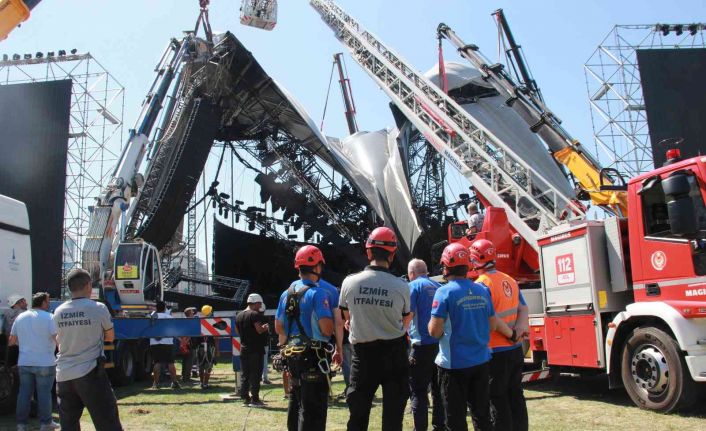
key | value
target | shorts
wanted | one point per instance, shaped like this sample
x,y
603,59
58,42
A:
x,y
162,353
206,355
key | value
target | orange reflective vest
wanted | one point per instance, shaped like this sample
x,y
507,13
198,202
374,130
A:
x,y
506,299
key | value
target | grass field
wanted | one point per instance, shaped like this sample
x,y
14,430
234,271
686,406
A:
x,y
565,405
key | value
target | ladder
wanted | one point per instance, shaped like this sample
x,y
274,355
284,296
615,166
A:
x,y
595,181
495,171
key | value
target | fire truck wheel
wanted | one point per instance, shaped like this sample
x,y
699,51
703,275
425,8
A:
x,y
9,385
144,368
124,371
654,372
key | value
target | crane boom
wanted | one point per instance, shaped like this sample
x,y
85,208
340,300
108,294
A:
x,y
591,177
495,171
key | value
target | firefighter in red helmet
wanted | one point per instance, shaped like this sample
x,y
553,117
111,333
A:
x,y
462,317
304,323
507,359
375,306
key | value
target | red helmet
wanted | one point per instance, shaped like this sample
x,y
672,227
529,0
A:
x,y
455,255
482,252
382,237
308,255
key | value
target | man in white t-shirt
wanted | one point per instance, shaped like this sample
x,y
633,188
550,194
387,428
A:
x,y
162,350
35,333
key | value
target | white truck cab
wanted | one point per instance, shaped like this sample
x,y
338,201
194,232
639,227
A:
x,y
15,252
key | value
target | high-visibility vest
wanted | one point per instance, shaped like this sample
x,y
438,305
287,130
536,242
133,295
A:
x,y
506,299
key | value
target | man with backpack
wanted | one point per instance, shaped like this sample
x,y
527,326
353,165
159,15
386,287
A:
x,y
304,323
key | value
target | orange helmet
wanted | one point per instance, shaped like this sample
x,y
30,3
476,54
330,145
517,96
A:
x,y
482,253
308,255
382,237
455,255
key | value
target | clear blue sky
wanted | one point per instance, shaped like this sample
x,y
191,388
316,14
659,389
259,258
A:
x,y
558,36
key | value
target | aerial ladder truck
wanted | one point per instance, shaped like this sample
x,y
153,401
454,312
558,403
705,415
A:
x,y
620,296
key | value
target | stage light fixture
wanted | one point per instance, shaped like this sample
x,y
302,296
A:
x,y
16,56
5,57
693,28
62,53
50,54
251,225
665,29
237,217
28,56
74,51
679,29
225,213
39,54
294,236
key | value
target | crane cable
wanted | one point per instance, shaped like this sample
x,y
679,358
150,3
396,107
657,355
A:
x,y
442,66
328,92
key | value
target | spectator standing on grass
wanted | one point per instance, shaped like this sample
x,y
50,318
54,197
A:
x,y
375,304
35,333
18,305
423,375
253,330
162,350
186,350
206,352
82,326
462,316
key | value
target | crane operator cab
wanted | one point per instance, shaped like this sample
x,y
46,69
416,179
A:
x,y
259,13
138,274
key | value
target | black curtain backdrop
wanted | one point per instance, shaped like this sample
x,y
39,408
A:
x,y
268,263
674,88
34,132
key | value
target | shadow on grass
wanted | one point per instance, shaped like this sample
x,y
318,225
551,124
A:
x,y
596,389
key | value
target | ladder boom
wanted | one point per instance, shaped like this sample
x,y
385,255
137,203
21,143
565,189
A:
x,y
495,171
565,149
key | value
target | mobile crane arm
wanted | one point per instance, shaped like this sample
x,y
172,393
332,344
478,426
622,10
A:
x,y
13,13
603,189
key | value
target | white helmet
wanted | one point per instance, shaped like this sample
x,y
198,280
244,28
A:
x,y
254,298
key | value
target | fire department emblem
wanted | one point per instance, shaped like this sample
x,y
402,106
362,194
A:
x,y
507,288
658,260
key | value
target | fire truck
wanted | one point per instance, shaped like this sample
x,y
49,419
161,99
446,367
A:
x,y
624,295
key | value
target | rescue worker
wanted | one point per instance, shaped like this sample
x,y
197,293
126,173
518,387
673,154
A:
x,y
462,317
305,324
507,360
424,348
475,219
252,328
82,326
375,305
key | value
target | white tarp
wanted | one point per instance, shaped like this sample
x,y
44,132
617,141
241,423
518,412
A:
x,y
505,124
373,162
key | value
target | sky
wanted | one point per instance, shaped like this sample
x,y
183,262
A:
x,y
557,36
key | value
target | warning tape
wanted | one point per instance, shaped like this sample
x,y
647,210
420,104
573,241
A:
x,y
212,327
534,376
236,346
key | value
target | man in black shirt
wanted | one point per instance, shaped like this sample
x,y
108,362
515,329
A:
x,y
253,330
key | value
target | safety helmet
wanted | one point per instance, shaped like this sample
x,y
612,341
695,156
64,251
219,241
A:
x,y
254,298
482,252
382,237
455,255
308,255
206,310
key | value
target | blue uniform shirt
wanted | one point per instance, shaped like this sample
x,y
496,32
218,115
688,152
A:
x,y
466,307
422,292
333,294
314,305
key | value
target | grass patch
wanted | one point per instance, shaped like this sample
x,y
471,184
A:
x,y
567,405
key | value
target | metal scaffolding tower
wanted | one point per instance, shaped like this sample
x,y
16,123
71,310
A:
x,y
618,114
95,131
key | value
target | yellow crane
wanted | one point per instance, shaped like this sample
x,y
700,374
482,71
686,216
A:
x,y
13,13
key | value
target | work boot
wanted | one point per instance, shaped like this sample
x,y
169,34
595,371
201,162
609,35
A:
x,y
257,403
50,426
